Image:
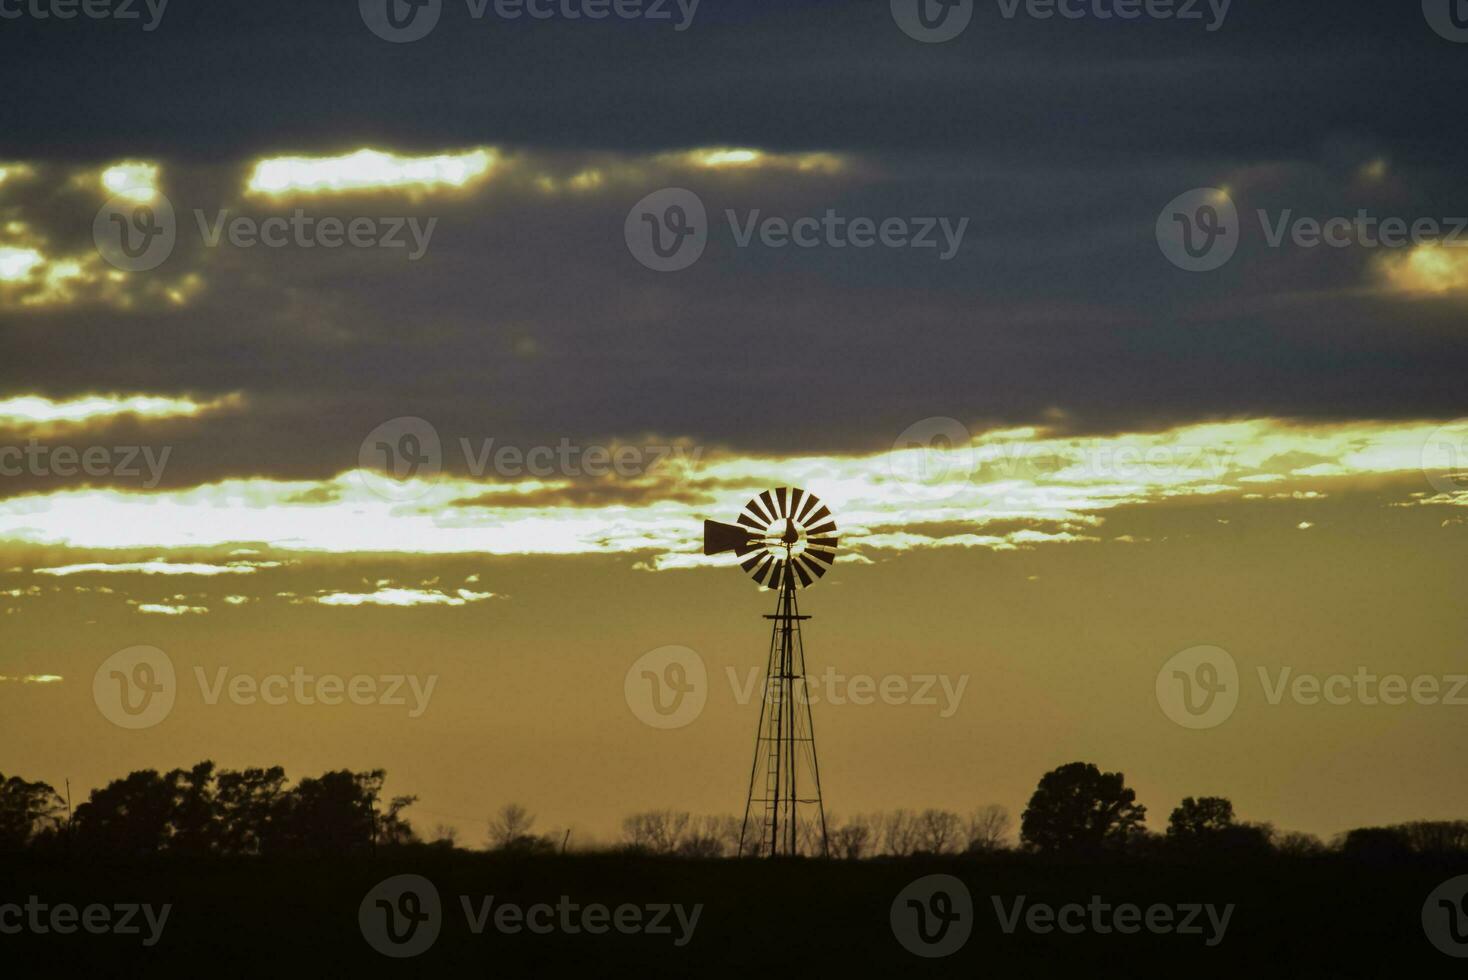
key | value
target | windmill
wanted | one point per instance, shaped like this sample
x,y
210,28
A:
x,y
786,540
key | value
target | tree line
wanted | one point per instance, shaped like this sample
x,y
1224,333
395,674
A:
x,y
204,810
1076,810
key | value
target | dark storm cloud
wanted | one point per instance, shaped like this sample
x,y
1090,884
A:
x,y
528,320
226,79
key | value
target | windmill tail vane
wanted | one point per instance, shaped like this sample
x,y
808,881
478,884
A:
x,y
786,540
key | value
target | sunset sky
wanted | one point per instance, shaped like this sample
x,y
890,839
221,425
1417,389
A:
x,y
1057,459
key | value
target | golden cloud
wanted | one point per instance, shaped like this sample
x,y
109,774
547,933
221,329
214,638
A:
x,y
1015,488
1430,269
35,413
369,170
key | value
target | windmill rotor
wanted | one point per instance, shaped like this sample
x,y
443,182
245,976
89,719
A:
x,y
782,533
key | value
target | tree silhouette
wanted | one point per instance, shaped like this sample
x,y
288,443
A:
x,y
129,817
1207,824
250,803
334,814
27,810
1079,809
988,829
1196,819
938,831
195,818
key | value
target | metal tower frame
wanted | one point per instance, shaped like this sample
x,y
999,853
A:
x,y
786,736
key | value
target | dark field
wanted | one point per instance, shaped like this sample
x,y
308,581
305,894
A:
x,y
1324,917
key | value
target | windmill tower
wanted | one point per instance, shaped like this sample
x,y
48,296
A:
x,y
786,539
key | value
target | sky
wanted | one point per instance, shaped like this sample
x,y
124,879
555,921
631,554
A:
x,y
336,349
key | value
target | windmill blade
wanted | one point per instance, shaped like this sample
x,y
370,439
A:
x,y
811,502
768,528
797,499
769,501
816,568
800,570
764,570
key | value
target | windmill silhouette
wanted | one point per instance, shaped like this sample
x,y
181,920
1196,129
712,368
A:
x,y
786,540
